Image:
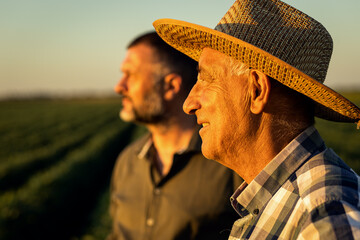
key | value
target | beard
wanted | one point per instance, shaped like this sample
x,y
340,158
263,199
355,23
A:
x,y
150,110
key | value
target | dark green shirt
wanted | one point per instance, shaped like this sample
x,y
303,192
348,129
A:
x,y
191,202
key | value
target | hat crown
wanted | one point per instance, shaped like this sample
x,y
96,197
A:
x,y
282,31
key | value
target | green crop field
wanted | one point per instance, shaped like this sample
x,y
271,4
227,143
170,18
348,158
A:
x,y
343,138
56,158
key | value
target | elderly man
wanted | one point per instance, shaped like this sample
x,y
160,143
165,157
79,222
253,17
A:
x,y
260,84
162,186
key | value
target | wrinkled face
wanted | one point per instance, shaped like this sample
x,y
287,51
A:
x,y
218,100
141,86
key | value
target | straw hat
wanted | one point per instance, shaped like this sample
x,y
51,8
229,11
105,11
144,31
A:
x,y
275,38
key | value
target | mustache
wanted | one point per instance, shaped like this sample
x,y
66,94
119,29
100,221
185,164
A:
x,y
124,96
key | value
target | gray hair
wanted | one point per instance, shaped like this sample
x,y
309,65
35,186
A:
x,y
238,68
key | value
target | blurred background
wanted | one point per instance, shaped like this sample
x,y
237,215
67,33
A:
x,y
59,126
75,47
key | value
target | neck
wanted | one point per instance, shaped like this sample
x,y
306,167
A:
x,y
255,158
170,138
263,148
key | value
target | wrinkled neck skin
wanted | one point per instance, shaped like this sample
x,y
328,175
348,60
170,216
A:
x,y
261,145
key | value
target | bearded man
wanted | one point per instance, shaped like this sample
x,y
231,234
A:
x,y
162,186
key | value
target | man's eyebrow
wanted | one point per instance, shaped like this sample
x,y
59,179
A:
x,y
205,70
202,69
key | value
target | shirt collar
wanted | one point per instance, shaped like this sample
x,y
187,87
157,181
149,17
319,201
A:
x,y
144,151
254,197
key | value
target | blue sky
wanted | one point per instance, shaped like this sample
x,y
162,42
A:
x,y
75,46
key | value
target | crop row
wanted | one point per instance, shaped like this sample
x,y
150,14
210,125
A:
x,y
61,196
99,225
19,166
26,125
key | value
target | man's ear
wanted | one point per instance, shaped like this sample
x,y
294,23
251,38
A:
x,y
259,88
172,87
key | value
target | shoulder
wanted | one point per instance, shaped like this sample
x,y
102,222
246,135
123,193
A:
x,y
325,178
134,147
329,193
129,155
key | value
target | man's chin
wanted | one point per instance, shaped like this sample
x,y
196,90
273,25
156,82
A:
x,y
205,152
127,116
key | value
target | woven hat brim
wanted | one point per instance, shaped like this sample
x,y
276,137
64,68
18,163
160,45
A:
x,y
191,39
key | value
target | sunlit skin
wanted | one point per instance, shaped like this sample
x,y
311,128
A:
x,y
151,97
230,109
137,84
211,99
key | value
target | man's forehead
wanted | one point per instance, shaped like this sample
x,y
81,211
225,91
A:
x,y
131,58
136,55
210,60
204,61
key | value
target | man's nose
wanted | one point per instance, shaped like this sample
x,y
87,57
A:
x,y
191,103
120,87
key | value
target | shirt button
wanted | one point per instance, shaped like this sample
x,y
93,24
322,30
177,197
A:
x,y
150,222
256,211
157,191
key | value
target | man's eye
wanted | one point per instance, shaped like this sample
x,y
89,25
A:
x,y
127,74
206,78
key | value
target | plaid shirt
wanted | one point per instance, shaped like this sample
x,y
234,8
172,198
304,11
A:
x,y
305,192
